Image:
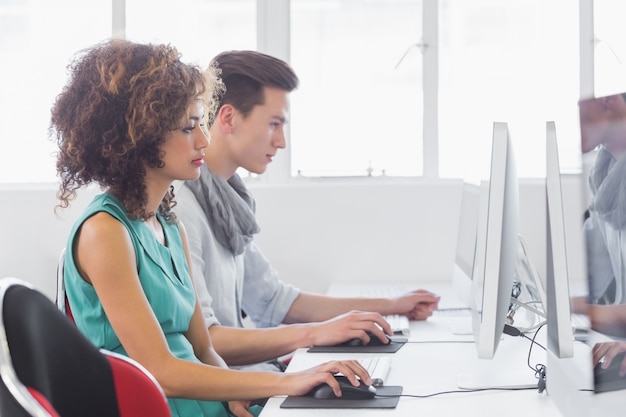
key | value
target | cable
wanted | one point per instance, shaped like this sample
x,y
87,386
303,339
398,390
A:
x,y
540,369
440,341
528,306
452,392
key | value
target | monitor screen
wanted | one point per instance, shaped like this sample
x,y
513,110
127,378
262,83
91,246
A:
x,y
496,245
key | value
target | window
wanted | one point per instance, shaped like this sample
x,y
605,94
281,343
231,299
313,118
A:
x,y
358,110
199,29
610,47
507,61
37,39
374,98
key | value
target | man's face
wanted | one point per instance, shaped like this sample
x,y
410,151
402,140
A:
x,y
255,140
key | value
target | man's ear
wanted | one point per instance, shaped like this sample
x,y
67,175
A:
x,y
226,117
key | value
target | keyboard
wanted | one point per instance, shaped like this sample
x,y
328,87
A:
x,y
400,325
580,323
453,311
378,367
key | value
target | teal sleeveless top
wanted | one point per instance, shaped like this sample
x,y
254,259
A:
x,y
165,279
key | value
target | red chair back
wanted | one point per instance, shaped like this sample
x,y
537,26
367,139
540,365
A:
x,y
44,356
138,392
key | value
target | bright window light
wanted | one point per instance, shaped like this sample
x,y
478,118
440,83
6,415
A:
x,y
358,110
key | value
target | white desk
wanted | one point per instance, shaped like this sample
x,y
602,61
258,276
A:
x,y
425,368
571,380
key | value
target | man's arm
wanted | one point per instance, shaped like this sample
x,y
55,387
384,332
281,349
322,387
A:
x,y
310,307
608,319
247,346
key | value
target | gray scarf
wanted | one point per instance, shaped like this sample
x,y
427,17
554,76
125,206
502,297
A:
x,y
229,208
608,183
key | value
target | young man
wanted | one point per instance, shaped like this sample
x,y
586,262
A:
x,y
231,272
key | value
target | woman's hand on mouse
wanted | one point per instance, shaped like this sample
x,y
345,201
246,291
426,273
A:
x,y
300,383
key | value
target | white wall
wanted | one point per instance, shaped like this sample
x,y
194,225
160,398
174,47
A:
x,y
314,233
319,233
34,234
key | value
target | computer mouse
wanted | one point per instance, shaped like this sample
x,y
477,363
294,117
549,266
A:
x,y
374,341
348,391
609,379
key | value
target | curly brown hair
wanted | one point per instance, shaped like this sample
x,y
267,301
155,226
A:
x,y
120,102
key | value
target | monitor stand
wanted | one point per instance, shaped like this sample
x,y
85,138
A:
x,y
497,380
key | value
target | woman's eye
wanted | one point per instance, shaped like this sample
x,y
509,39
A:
x,y
188,129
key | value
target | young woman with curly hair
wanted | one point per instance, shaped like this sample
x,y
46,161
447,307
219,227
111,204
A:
x,y
132,119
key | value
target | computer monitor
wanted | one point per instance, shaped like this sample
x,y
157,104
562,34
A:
x,y
496,245
494,268
560,333
466,246
569,370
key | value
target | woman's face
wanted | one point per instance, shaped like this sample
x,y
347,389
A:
x,y
183,148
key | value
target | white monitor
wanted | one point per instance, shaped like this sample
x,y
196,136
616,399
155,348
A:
x,y
496,246
560,333
466,246
468,222
569,375
494,267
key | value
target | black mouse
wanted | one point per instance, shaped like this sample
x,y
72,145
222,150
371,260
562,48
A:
x,y
349,391
609,379
374,341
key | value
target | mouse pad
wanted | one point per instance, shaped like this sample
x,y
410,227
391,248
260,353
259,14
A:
x,y
310,402
609,379
392,347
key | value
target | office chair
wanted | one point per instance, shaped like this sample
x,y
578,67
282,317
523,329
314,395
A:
x,y
49,369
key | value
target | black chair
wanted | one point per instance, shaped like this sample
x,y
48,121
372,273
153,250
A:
x,y
48,368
